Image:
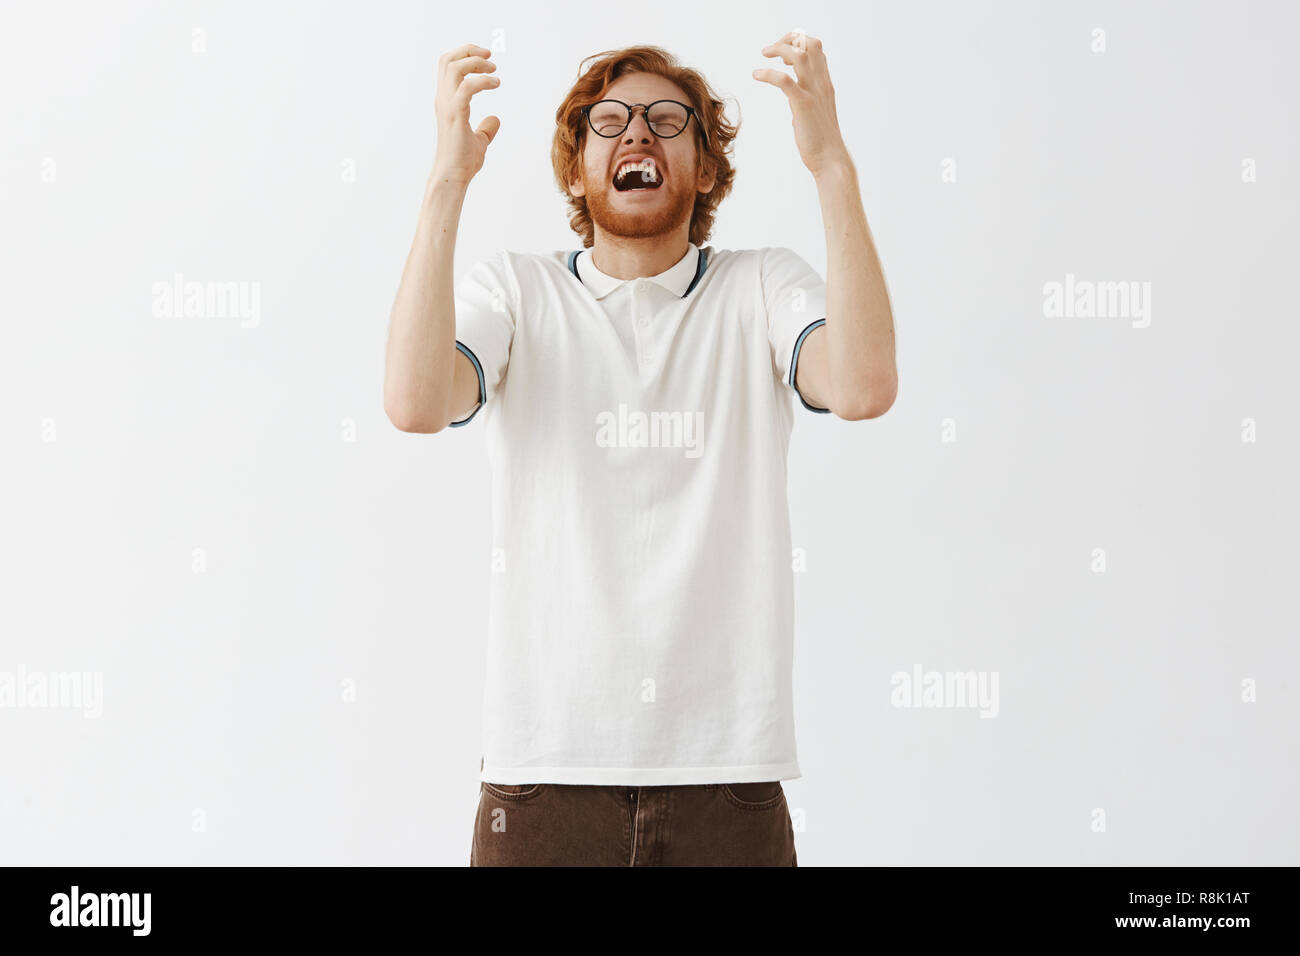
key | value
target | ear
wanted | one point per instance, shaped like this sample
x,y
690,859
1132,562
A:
x,y
707,178
576,187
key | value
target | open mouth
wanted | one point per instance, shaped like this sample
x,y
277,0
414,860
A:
x,y
643,174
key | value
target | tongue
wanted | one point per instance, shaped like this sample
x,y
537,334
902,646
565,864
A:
x,y
638,179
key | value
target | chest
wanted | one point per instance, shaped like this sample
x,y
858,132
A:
x,y
641,338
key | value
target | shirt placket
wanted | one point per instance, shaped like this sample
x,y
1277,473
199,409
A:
x,y
642,329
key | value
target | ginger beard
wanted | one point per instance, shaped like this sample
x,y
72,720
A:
x,y
666,208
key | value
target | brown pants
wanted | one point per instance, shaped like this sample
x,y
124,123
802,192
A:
x,y
713,824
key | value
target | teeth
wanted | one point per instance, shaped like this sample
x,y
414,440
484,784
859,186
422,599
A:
x,y
645,166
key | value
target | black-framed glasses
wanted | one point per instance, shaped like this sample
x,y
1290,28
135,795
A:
x,y
666,118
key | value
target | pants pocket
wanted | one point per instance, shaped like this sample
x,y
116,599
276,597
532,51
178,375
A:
x,y
514,792
754,796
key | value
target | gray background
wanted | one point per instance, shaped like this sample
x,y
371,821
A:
x,y
331,560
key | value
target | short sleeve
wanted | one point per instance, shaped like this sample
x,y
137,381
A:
x,y
795,298
486,304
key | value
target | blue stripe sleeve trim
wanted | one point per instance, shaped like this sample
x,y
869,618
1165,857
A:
x,y
794,367
482,386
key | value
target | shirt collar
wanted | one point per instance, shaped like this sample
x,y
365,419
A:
x,y
678,279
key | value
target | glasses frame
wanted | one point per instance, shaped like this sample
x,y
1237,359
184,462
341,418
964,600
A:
x,y
645,113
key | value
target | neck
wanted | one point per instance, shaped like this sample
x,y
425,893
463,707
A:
x,y
625,258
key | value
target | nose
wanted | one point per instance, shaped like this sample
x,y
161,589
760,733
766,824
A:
x,y
629,136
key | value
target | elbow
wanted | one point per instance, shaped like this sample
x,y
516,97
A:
x,y
407,417
869,403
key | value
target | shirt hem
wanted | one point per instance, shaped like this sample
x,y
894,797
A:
x,y
641,776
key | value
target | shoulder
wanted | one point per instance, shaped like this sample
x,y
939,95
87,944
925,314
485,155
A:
x,y
768,268
538,268
779,257
763,259
733,261
523,270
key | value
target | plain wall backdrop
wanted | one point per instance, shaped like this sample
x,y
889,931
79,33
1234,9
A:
x,y
284,599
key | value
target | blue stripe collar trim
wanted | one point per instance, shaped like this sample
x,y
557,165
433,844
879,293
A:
x,y
702,263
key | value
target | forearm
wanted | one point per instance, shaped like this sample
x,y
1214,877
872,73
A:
x,y
859,319
421,353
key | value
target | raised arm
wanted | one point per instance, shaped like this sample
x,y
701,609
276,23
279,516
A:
x,y
847,365
428,382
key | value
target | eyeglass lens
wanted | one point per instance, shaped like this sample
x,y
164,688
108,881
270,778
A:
x,y
610,118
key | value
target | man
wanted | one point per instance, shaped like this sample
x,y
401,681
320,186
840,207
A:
x,y
638,398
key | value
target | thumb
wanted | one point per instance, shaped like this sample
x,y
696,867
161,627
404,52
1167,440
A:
x,y
489,128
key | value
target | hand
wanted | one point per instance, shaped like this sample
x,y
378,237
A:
x,y
812,99
461,74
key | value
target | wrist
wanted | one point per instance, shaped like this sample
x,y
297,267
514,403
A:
x,y
441,207
445,183
836,169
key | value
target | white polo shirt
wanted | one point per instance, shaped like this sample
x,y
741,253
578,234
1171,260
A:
x,y
641,618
